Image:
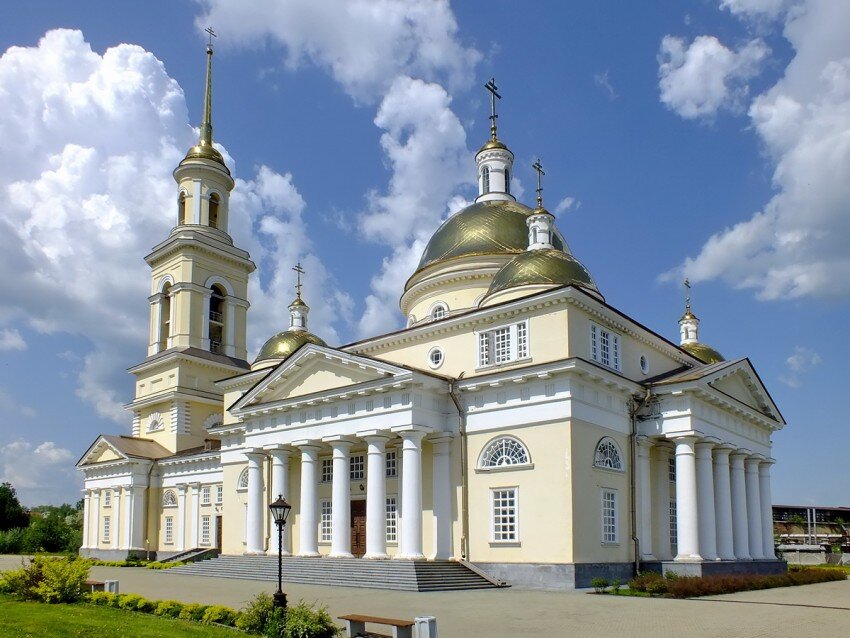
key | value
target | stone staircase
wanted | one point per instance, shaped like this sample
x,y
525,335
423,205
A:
x,y
438,575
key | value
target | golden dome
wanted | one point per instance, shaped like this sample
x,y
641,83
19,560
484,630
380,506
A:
x,y
493,144
205,151
704,353
285,343
545,266
486,228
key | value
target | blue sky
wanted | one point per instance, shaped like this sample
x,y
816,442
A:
x,y
707,138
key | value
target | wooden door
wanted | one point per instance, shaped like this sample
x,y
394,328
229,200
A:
x,y
358,528
218,532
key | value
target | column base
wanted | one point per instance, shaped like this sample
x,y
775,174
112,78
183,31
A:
x,y
688,558
418,556
648,557
340,555
376,556
308,554
255,553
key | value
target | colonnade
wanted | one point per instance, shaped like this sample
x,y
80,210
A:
x,y
125,511
306,503
723,504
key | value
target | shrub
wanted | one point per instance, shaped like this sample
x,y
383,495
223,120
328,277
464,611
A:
x,y
12,541
159,565
646,580
147,606
599,584
218,614
303,621
129,601
48,579
615,586
102,598
193,611
690,587
254,616
169,608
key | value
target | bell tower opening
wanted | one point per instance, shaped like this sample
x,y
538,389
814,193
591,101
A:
x,y
216,319
165,318
213,216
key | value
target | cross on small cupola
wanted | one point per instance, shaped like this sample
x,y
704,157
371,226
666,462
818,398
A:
x,y
541,223
494,95
494,160
298,310
688,324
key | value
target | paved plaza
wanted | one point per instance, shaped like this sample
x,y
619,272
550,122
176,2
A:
x,y
811,610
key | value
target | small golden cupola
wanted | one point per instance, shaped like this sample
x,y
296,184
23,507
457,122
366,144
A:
x,y
283,344
689,334
545,264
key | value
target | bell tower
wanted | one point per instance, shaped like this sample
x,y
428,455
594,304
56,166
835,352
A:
x,y
198,302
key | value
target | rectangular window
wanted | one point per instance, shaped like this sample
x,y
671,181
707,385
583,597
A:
x,y
169,530
327,470
671,469
326,523
392,468
503,345
205,495
609,516
505,518
107,498
357,464
674,528
106,522
604,346
205,530
392,519
219,493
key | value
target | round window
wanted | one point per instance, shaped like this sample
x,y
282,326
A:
x,y
435,357
644,365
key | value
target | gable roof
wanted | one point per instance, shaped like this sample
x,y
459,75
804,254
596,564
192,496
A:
x,y
709,375
127,447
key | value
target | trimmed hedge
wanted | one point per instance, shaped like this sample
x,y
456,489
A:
x,y
675,586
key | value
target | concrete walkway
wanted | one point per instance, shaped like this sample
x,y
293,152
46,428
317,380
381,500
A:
x,y
811,610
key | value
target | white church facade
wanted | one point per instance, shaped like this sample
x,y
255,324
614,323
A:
x,y
519,422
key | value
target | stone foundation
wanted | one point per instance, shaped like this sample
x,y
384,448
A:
x,y
716,567
556,576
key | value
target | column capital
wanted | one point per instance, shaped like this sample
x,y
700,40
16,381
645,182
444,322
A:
x,y
644,442
414,436
308,445
254,452
758,458
740,452
440,437
181,487
278,448
339,442
723,449
375,435
764,466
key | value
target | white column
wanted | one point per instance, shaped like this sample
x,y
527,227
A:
x,y
116,522
126,518
411,489
376,497
644,492
136,517
181,518
723,504
205,321
156,305
255,536
442,497
280,487
195,509
86,514
686,500
766,509
97,518
341,500
308,507
705,498
754,506
229,330
661,503
739,506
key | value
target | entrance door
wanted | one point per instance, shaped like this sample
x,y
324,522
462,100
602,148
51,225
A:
x,y
358,528
218,533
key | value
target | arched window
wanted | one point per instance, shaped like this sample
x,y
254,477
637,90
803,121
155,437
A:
x,y
155,422
214,202
507,181
439,311
216,318
485,180
502,452
181,209
242,483
165,317
608,455
169,498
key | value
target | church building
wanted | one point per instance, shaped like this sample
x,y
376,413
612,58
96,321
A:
x,y
519,423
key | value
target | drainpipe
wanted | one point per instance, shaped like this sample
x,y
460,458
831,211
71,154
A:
x,y
464,463
636,404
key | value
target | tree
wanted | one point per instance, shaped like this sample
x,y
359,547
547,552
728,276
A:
x,y
12,515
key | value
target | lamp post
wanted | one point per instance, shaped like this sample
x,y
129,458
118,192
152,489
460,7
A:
x,y
280,510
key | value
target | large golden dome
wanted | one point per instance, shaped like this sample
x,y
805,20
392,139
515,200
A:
x,y
704,353
486,228
545,266
285,343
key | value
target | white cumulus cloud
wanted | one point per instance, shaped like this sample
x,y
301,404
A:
x,y
42,474
11,339
700,78
798,364
799,244
757,8
89,143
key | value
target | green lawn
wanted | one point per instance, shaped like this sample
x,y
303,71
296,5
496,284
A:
x,y
37,620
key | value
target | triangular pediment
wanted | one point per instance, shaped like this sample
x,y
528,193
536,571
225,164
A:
x,y
314,370
101,451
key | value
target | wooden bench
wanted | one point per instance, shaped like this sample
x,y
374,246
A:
x,y
355,625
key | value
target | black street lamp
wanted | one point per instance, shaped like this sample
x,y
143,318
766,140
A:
x,y
280,511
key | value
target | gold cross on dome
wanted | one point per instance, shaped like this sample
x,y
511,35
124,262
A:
x,y
687,294
212,35
494,93
537,166
299,271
